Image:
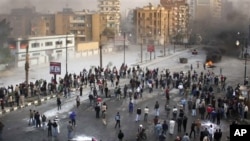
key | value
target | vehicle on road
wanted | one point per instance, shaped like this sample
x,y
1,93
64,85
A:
x,y
194,52
83,138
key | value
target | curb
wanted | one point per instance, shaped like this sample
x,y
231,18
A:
x,y
36,102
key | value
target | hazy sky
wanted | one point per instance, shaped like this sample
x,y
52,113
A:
x,y
57,5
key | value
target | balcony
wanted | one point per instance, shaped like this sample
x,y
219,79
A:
x,y
77,21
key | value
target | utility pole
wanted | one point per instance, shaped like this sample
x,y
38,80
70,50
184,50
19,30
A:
x,y
164,45
27,66
100,49
141,48
124,36
67,54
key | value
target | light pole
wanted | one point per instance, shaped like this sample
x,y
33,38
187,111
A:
x,y
100,50
66,54
124,46
141,49
27,66
245,55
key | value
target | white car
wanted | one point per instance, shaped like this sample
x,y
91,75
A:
x,y
83,138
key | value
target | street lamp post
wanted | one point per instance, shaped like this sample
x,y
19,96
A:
x,y
100,50
245,57
141,49
66,54
27,66
124,46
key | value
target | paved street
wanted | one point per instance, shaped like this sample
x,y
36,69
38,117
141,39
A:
x,y
16,123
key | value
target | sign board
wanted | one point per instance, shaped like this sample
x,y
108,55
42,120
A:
x,y
55,68
151,48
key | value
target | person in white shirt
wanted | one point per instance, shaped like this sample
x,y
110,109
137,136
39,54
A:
x,y
146,111
245,111
211,132
175,111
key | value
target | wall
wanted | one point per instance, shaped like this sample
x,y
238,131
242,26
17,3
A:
x,y
84,46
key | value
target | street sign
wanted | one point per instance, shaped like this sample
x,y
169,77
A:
x,y
55,68
151,48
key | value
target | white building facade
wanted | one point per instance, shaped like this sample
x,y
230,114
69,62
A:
x,y
42,49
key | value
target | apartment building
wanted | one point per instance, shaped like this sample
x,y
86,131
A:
x,y
152,24
179,10
208,9
110,14
85,25
43,25
62,21
20,20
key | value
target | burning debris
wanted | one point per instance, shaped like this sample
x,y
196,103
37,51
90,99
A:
x,y
210,64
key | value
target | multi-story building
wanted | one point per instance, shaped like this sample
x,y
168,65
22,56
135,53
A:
x,y
216,9
152,24
43,25
85,25
20,20
110,14
179,23
208,9
62,21
192,9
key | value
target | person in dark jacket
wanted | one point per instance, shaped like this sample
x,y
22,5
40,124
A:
x,y
120,135
184,123
59,103
164,127
49,128
138,115
97,111
179,123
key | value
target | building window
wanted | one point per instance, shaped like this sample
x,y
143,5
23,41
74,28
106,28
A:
x,y
35,45
48,43
36,54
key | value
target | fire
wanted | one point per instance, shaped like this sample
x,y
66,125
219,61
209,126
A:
x,y
209,63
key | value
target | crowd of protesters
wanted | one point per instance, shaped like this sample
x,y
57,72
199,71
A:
x,y
198,92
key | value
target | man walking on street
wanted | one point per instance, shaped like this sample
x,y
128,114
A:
x,y
192,130
97,111
77,101
157,111
120,135
58,103
138,115
49,125
31,117
118,120
70,130
72,117
184,123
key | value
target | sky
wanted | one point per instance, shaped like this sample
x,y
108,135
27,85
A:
x,y
56,5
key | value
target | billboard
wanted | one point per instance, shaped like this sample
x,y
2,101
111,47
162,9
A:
x,y
55,68
151,48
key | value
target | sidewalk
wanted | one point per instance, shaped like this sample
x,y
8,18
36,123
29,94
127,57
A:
x,y
28,102
36,101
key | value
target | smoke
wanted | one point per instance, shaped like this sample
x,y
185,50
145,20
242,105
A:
x,y
220,35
